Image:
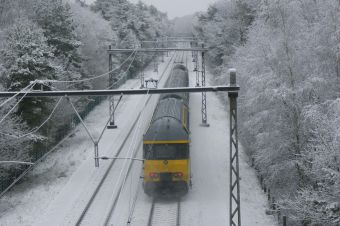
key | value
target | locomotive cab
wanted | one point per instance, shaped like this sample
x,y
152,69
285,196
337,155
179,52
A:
x,y
166,142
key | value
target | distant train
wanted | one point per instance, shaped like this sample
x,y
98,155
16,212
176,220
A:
x,y
166,142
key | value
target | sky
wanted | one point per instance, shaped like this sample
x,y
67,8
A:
x,y
176,8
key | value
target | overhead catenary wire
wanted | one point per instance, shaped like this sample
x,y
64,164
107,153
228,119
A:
x,y
131,210
9,99
81,120
47,153
17,162
9,112
37,128
89,203
121,75
130,156
92,78
108,121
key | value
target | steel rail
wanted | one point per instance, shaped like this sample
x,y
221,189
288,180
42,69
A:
x,y
135,199
114,204
178,220
129,220
152,211
94,194
115,201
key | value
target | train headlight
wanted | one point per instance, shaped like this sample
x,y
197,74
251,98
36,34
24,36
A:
x,y
154,175
178,174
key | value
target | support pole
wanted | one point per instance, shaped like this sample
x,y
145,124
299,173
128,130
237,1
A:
x,y
142,74
156,59
111,98
204,94
196,69
167,45
162,52
96,155
234,198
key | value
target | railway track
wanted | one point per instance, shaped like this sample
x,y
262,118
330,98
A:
x,y
165,213
162,212
98,197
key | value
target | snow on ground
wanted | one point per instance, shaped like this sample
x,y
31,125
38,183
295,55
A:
x,y
55,191
207,203
66,172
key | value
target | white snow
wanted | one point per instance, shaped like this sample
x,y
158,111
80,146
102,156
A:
x,y
56,191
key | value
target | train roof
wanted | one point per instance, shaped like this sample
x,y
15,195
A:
x,y
166,129
181,66
178,77
166,122
170,107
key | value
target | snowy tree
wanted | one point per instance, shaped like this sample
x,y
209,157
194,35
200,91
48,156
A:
x,y
27,57
14,148
96,35
131,24
288,67
55,18
223,28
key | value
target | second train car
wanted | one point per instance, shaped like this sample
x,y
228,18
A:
x,y
166,142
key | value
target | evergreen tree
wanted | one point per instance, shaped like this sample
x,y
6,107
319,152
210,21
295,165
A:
x,y
223,28
55,18
27,57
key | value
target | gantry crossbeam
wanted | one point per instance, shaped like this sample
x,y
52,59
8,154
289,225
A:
x,y
156,50
120,92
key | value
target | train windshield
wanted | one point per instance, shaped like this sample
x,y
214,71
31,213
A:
x,y
166,151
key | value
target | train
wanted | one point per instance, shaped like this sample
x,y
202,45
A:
x,y
166,154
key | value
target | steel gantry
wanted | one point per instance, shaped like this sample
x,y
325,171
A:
x,y
204,94
232,89
234,172
196,50
196,61
112,124
202,71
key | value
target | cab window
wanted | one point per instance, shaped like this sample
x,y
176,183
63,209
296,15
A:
x,y
166,151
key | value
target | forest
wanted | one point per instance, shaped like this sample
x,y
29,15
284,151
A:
x,y
67,42
287,56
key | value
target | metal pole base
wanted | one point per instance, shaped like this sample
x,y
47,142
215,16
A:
x,y
205,124
112,126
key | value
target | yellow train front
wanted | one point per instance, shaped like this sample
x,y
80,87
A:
x,y
166,142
